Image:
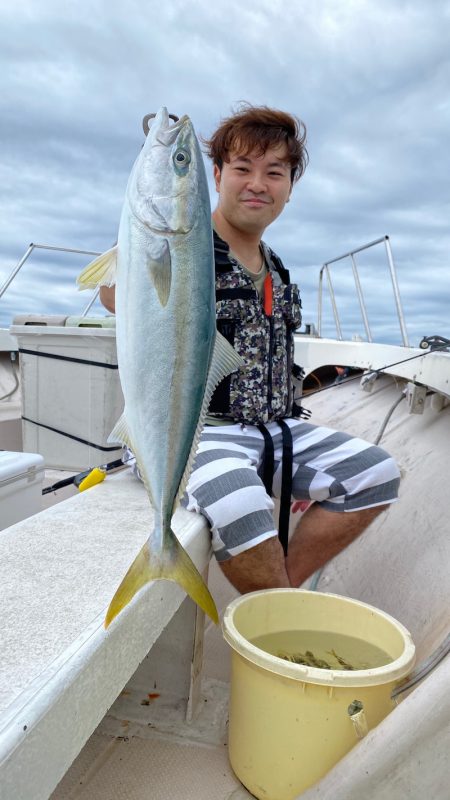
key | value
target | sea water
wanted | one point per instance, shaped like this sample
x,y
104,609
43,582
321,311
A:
x,y
323,649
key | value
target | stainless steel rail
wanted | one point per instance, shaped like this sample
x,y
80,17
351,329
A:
x,y
351,254
26,256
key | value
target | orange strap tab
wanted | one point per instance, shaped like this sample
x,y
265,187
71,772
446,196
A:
x,y
268,295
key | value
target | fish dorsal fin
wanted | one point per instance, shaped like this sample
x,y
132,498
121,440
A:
x,y
159,266
100,272
224,361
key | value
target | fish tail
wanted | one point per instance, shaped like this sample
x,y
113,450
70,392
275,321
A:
x,y
173,565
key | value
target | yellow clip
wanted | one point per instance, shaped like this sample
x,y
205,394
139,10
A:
x,y
97,475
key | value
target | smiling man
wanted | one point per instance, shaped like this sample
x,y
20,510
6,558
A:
x,y
254,424
256,444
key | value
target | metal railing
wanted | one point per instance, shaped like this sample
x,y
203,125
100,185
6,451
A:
x,y
325,269
26,256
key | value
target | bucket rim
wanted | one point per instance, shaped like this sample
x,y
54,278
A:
x,y
388,673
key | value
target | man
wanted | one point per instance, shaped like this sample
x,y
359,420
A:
x,y
258,154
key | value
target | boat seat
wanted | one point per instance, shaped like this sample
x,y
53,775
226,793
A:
x,y
60,670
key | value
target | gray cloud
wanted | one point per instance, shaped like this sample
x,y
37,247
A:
x,y
370,79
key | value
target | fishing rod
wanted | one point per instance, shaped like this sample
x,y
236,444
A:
x,y
87,478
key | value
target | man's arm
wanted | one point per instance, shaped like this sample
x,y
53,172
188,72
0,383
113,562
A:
x,y
108,298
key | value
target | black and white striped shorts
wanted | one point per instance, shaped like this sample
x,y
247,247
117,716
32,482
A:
x,y
338,471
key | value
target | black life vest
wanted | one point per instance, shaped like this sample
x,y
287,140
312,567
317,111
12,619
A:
x,y
263,390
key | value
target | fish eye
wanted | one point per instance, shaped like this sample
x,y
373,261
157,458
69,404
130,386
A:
x,y
181,157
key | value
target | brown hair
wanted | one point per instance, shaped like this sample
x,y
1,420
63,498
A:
x,y
256,128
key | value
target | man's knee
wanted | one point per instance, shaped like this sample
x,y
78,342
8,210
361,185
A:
x,y
259,567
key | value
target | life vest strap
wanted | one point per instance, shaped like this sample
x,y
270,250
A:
x,y
267,469
286,484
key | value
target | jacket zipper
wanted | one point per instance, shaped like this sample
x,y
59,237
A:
x,y
268,310
289,338
269,374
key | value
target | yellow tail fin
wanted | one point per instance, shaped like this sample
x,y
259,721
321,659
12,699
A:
x,y
174,565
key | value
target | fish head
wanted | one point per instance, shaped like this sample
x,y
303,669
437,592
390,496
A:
x,y
169,177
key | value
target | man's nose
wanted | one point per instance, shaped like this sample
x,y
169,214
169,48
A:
x,y
256,182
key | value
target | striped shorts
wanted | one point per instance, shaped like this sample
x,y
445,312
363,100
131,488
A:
x,y
338,471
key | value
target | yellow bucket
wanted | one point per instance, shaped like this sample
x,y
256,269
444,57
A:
x,y
290,723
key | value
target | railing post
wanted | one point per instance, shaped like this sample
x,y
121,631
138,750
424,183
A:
x,y
319,309
361,299
396,289
16,269
333,303
91,302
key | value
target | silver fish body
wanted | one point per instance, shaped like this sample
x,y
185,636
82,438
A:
x,y
165,345
170,356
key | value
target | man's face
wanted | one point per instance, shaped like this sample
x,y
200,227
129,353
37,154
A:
x,y
253,189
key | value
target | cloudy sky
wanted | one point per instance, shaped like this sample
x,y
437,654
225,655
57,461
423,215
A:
x,y
370,78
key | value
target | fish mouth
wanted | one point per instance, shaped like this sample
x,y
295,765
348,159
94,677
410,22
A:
x,y
166,133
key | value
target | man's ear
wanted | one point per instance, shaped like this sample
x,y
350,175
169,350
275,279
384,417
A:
x,y
216,174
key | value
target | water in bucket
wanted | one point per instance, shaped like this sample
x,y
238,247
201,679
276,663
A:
x,y
323,649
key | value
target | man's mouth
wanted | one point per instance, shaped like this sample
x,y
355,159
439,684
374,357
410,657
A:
x,y
254,201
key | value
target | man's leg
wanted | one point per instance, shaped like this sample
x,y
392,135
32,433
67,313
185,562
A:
x,y
260,567
351,480
336,470
321,535
226,489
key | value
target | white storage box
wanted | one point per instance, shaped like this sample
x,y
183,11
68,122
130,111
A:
x,y
46,320
90,322
71,395
21,476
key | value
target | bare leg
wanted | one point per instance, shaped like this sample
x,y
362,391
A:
x,y
261,567
321,535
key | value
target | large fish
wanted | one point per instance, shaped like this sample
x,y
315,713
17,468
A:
x,y
169,354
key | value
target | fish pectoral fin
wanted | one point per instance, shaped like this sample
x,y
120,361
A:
x,y
120,433
159,265
174,565
99,272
